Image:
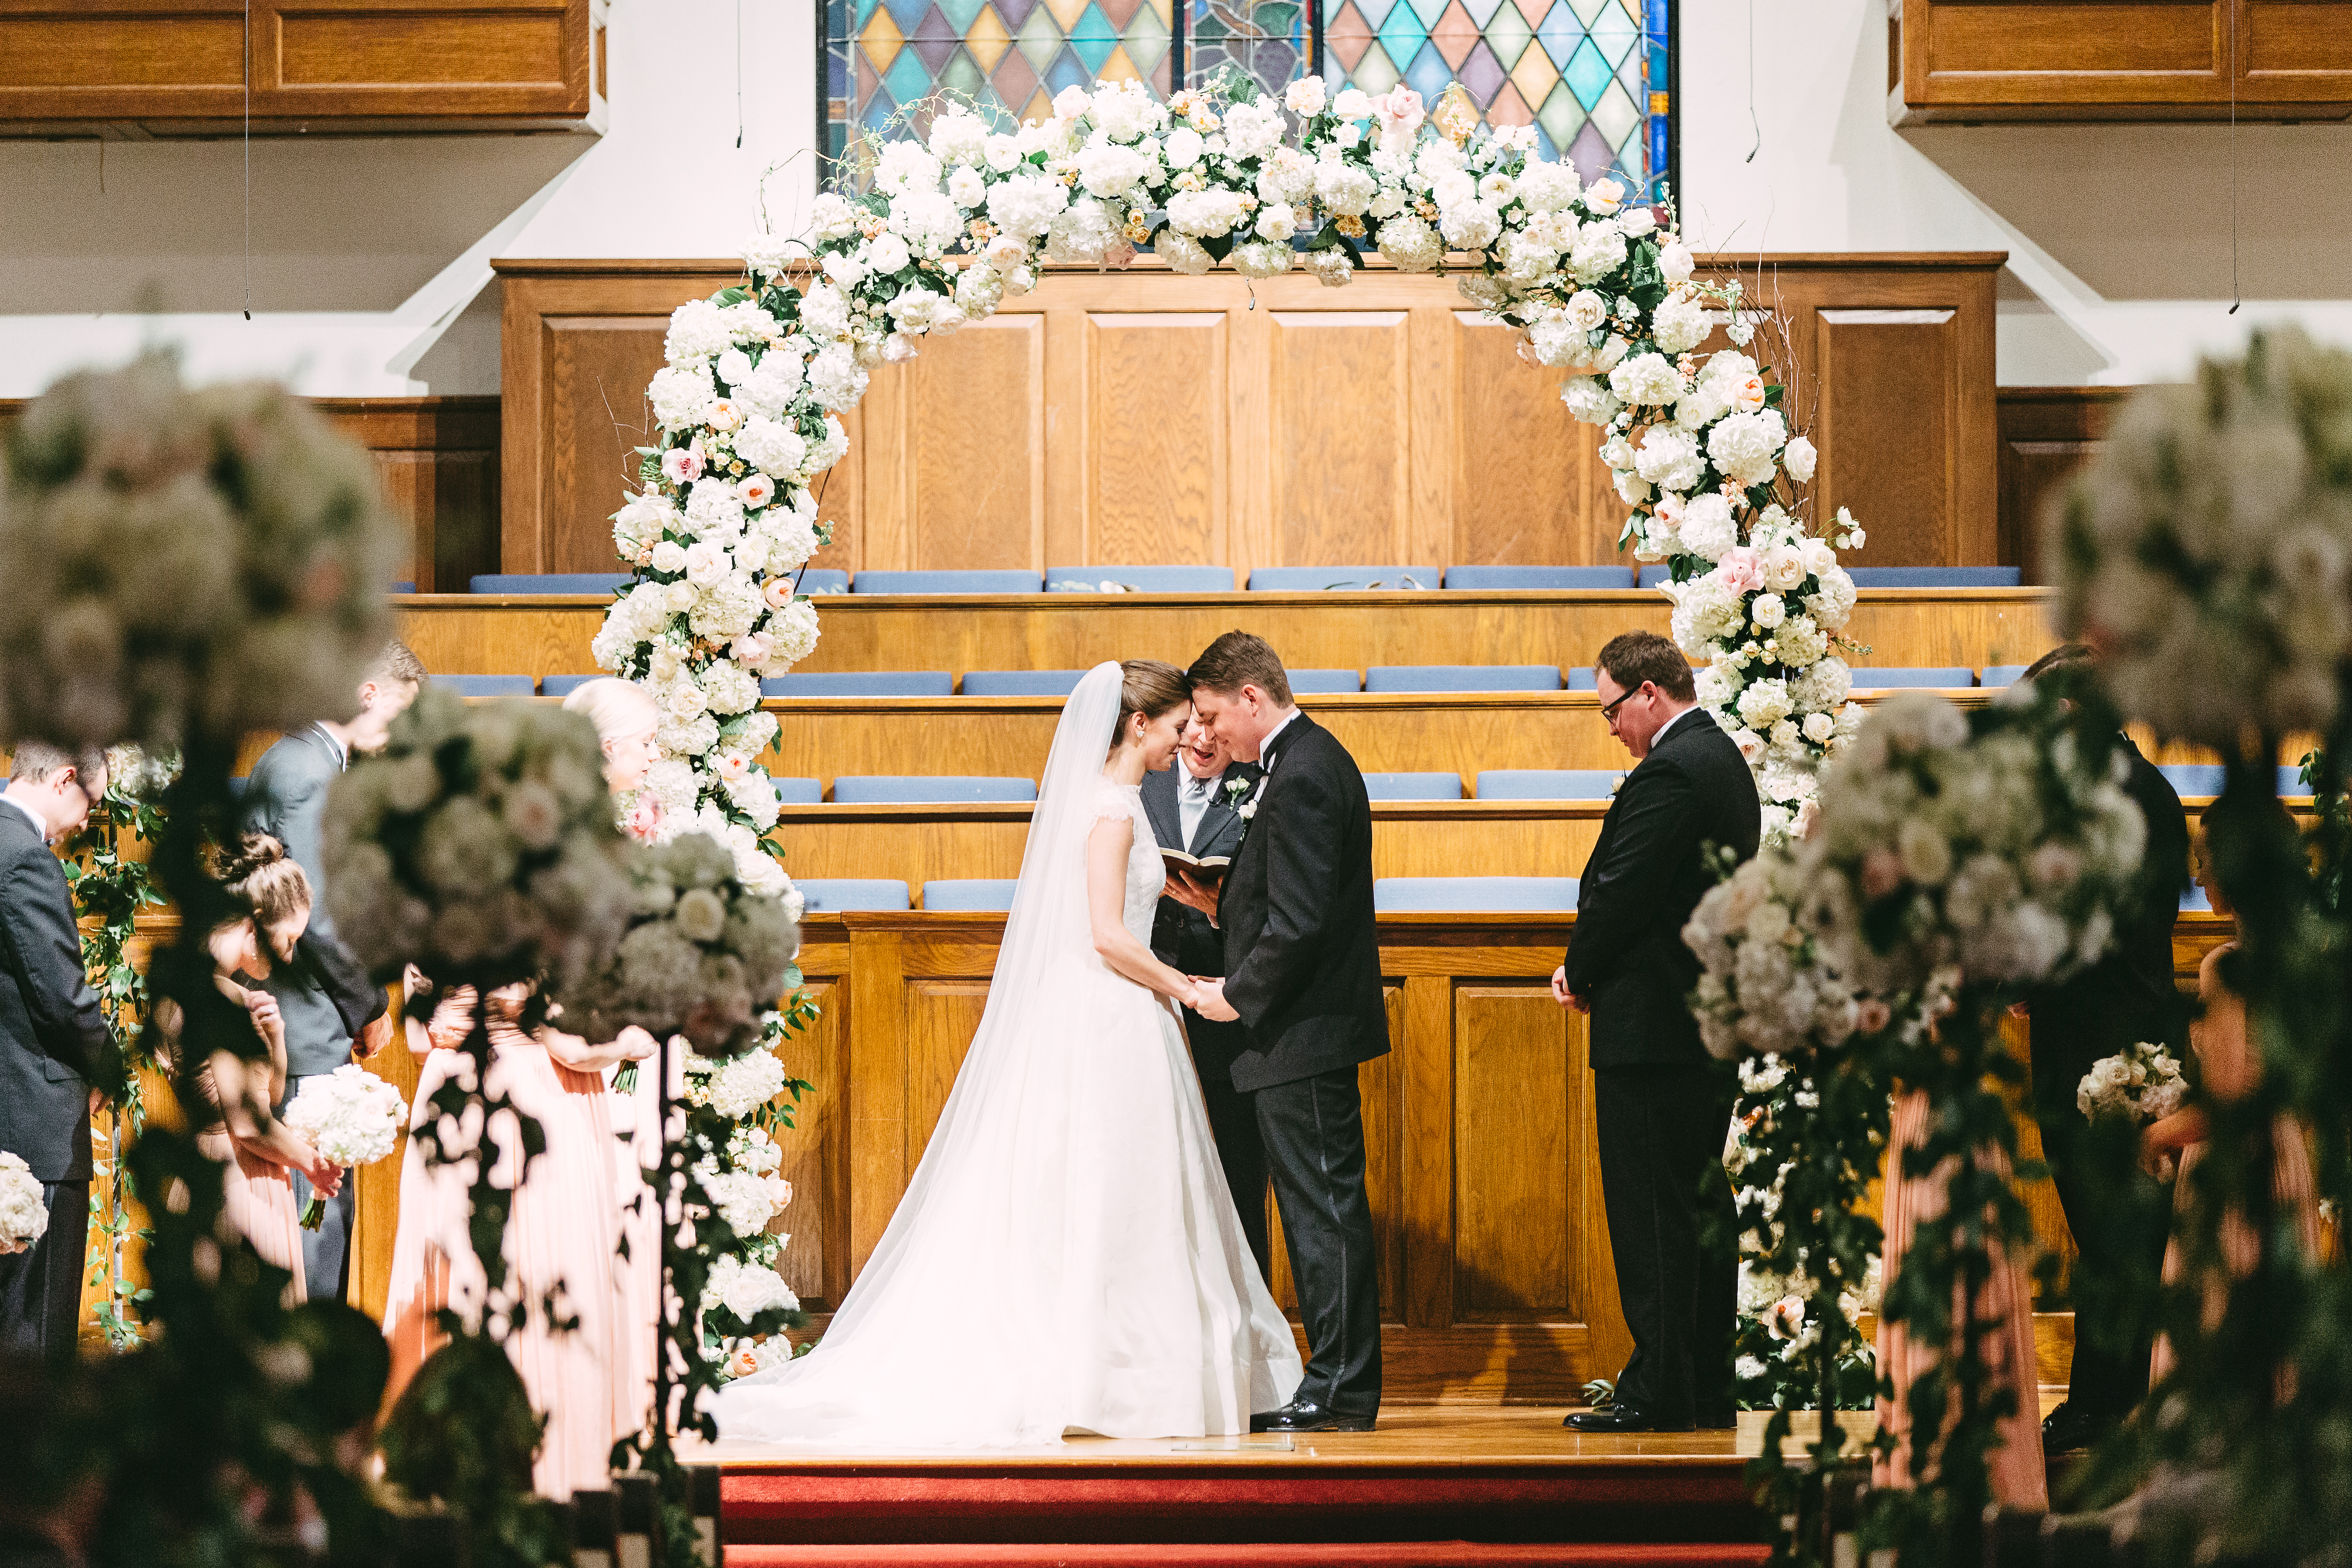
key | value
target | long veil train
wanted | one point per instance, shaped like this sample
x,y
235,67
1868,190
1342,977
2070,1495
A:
x,y
1067,1257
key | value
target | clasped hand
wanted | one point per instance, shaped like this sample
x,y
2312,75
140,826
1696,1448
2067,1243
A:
x,y
1209,1000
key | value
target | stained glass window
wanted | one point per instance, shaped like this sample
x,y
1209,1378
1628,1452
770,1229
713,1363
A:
x,y
1592,75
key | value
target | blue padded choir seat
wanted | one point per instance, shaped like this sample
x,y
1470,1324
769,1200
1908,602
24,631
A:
x,y
2194,781
548,582
1139,579
2194,901
1323,682
403,588
862,683
825,580
1021,682
1414,787
1343,579
1583,677
925,789
1008,580
1655,573
836,893
1869,678
1462,677
798,792
563,685
2002,674
1473,895
1538,578
976,893
1934,576
1549,783
486,685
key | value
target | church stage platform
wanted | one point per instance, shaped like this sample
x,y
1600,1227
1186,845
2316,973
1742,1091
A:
x,y
1459,1485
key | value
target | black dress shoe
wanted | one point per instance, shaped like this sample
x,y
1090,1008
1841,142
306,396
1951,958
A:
x,y
1623,1418
1307,1415
1719,1420
2070,1428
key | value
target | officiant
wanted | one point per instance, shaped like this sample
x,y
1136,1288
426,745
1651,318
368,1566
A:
x,y
1193,804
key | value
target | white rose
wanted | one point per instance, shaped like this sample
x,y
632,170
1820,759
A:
x,y
1767,610
1305,97
1798,457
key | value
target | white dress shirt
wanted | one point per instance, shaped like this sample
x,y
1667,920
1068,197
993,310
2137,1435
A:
x,y
1670,724
1265,747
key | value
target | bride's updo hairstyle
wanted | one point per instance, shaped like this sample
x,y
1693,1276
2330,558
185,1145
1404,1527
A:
x,y
1150,687
257,872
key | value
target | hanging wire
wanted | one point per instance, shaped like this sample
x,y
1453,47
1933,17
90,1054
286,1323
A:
x,y
1757,124
739,74
2237,297
248,159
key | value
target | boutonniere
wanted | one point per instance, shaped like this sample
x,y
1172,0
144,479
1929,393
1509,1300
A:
x,y
1235,788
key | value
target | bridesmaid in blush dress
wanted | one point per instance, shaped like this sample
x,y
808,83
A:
x,y
560,1235
626,719
2006,1307
257,1152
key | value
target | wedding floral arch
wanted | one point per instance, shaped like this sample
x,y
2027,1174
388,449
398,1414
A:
x,y
749,402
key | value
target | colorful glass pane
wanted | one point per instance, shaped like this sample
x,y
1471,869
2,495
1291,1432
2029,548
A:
x,y
1592,75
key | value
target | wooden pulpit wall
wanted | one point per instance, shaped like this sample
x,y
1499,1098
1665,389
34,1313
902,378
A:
x,y
1143,417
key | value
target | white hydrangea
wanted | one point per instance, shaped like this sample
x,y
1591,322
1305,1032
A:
x,y
1126,110
1026,205
1745,446
1182,253
1470,225
1110,170
958,137
1668,458
1680,323
1647,381
1410,245
1708,528
1263,258
906,166
1589,400
1546,186
746,1290
773,447
681,394
1346,189
1204,215
697,331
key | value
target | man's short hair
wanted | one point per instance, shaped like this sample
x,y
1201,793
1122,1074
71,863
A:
x,y
1632,657
395,666
36,761
1237,659
2065,656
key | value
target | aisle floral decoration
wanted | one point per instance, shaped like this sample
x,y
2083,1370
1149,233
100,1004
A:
x,y
185,566
2207,551
479,845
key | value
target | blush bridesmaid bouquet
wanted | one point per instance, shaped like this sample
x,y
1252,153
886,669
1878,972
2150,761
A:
x,y
351,1116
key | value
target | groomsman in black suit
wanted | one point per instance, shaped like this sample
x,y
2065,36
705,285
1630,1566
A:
x,y
324,995
1191,807
54,1043
1303,973
2127,996
1661,1111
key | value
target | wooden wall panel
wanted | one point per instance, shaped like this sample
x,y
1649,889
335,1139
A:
x,y
1880,367
1207,419
1512,1141
1160,450
2118,60
2046,434
177,67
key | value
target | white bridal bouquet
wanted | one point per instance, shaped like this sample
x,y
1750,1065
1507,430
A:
x,y
2142,1081
351,1116
23,1217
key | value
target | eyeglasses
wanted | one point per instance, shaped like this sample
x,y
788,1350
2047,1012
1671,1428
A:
x,y
1608,710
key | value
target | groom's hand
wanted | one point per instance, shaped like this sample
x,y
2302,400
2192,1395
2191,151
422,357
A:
x,y
1563,995
1209,1002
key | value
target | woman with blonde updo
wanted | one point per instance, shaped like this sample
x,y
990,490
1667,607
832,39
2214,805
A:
x,y
258,1153
626,719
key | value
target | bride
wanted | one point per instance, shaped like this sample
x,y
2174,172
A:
x,y
1067,1258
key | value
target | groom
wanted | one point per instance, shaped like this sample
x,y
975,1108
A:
x,y
1303,973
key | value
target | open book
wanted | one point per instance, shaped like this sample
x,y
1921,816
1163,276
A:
x,y
1205,867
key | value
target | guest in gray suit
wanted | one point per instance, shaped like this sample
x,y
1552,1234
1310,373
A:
x,y
1192,807
54,1043
323,994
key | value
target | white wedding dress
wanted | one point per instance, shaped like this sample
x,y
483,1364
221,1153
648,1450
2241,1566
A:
x,y
1067,1259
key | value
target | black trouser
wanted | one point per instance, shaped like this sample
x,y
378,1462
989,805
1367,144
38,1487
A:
x,y
40,1288
1662,1131
1314,1134
2108,1378
326,1251
1240,1149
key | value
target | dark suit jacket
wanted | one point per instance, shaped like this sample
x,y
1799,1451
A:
x,y
1647,873
1302,958
53,1040
2128,995
1181,936
325,989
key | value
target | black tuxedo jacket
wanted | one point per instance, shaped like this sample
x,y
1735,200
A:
x,y
54,1043
1302,957
2129,995
1181,936
1647,873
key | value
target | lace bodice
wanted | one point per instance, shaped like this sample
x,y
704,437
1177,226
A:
x,y
1146,874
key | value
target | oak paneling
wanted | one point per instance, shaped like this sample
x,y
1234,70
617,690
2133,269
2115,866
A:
x,y
1876,360
2119,60
1160,449
550,635
1144,417
2046,434
1512,1140
177,67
